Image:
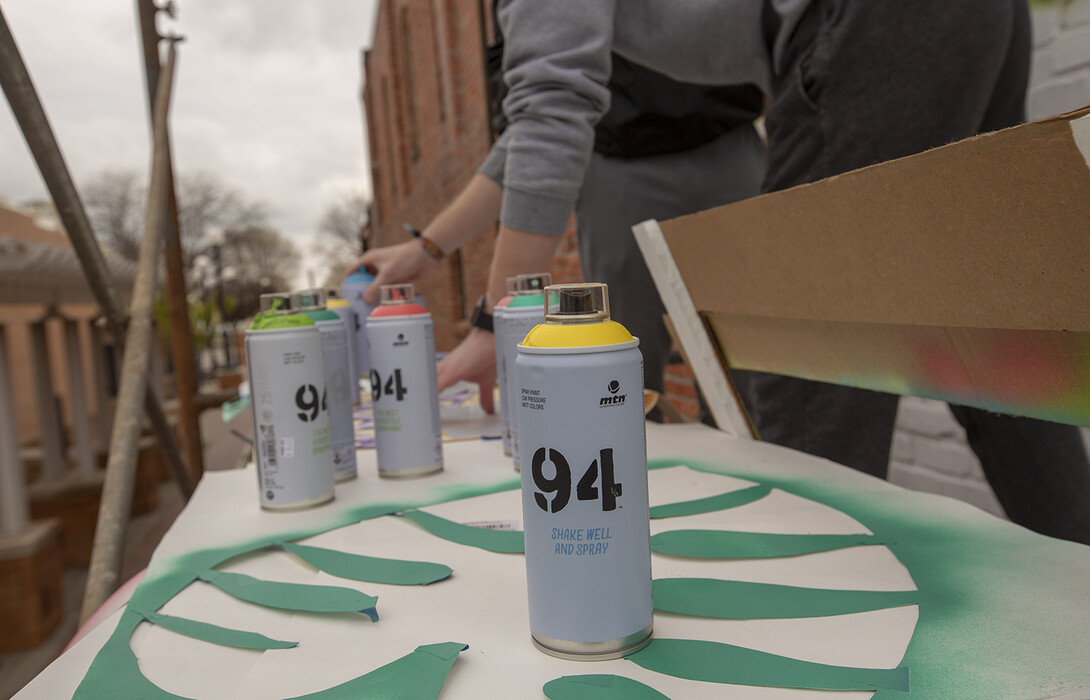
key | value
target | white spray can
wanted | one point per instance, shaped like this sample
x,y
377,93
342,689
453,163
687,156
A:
x,y
352,290
404,386
584,480
291,431
525,311
339,383
347,314
501,364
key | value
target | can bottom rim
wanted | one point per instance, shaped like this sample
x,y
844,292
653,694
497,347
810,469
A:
x,y
593,651
412,472
300,505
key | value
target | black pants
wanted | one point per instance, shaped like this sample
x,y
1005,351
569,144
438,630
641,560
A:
x,y
865,81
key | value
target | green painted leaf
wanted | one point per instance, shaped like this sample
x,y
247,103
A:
x,y
214,633
503,541
599,687
292,596
731,499
745,600
372,569
419,675
715,662
724,544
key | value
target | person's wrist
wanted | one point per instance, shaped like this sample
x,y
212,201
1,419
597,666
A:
x,y
482,317
431,249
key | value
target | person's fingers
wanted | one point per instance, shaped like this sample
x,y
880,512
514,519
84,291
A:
x,y
487,403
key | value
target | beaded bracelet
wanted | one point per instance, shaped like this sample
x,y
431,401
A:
x,y
431,248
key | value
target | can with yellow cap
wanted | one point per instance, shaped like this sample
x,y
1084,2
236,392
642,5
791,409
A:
x,y
584,479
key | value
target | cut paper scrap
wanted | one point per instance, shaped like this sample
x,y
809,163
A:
x,y
724,544
502,541
292,596
357,567
215,634
730,499
715,662
419,675
745,600
599,687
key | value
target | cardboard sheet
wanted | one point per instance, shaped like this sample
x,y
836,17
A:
x,y
965,266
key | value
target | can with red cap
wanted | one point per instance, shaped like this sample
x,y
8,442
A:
x,y
404,385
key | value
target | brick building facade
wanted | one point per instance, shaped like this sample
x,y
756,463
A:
x,y
427,106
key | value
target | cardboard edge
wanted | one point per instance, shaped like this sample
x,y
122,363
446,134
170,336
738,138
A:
x,y
1080,132
692,335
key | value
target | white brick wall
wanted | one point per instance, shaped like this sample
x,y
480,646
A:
x,y
929,448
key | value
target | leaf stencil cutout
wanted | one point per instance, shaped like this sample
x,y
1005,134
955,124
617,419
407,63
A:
x,y
599,687
371,569
502,541
724,544
714,662
419,675
724,501
746,600
215,634
292,596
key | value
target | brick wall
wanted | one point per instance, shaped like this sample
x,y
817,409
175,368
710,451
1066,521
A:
x,y
930,452
427,115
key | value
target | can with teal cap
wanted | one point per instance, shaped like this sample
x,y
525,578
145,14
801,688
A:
x,y
501,363
352,290
337,395
347,314
584,479
291,431
404,386
525,310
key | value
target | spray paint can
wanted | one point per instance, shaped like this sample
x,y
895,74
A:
x,y
347,314
501,364
584,480
352,290
291,431
404,387
337,395
525,310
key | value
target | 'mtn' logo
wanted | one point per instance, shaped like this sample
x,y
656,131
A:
x,y
400,342
614,399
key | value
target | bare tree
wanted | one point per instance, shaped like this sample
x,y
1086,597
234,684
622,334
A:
x,y
115,205
260,260
341,235
346,219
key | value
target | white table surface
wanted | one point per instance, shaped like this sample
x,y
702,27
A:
x,y
1015,619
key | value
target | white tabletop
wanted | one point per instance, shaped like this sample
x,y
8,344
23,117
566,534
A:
x,y
1003,611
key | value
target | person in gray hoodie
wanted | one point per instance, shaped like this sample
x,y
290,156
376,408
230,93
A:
x,y
851,83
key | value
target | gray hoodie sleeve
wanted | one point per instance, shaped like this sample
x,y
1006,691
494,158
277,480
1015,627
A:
x,y
557,58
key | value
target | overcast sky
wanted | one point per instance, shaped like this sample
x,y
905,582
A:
x,y
266,96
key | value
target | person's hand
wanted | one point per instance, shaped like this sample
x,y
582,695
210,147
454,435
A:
x,y
395,264
474,360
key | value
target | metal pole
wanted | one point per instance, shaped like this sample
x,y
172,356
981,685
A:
x,y
39,136
113,513
185,365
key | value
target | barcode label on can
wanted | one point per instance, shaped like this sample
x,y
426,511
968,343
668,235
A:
x,y
268,444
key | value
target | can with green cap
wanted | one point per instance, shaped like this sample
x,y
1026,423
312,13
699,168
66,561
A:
x,y
291,431
584,479
337,395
